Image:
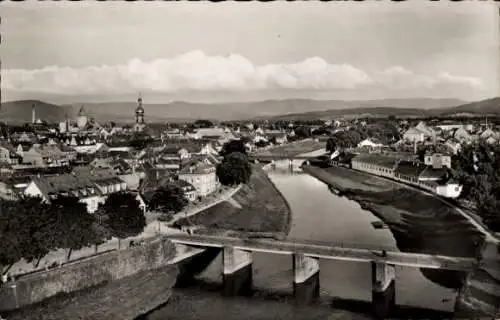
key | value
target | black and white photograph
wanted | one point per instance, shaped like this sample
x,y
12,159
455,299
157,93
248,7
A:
x,y
192,160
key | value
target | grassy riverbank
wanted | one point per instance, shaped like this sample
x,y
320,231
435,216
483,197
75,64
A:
x,y
124,299
257,208
293,148
419,222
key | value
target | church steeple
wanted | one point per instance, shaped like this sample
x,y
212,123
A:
x,y
139,114
139,111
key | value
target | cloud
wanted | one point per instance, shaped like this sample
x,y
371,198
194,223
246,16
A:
x,y
195,71
400,78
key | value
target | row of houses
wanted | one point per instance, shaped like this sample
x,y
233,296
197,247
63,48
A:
x,y
92,185
190,165
432,175
461,133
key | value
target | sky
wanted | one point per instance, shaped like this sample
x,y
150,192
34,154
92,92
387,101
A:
x,y
251,51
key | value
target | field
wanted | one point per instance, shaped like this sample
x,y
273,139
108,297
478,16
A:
x,y
256,207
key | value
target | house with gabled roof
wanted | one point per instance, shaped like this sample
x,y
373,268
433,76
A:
x,y
90,186
462,135
8,154
414,135
409,171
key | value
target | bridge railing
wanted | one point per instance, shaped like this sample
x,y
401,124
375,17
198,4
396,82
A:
x,y
345,244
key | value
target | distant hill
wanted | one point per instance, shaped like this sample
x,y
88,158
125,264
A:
x,y
484,107
20,111
179,110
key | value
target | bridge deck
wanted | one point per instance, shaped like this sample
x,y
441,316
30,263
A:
x,y
330,252
280,157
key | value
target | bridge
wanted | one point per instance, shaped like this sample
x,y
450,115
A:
x,y
237,264
270,155
276,157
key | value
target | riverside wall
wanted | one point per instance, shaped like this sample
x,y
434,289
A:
x,y
86,273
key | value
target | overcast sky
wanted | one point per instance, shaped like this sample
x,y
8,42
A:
x,y
332,50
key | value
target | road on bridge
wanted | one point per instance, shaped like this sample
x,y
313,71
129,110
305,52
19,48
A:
x,y
330,252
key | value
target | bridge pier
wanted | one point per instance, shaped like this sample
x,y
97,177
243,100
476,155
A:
x,y
306,279
383,289
237,275
290,165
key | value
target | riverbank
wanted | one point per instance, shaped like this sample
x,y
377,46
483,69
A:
x,y
419,222
116,285
124,299
198,302
291,149
256,209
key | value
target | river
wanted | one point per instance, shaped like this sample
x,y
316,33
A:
x,y
319,215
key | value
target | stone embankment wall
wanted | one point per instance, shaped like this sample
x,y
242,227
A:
x,y
480,296
86,273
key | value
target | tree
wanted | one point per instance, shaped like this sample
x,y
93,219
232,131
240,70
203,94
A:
x,y
140,141
302,132
477,168
169,198
202,123
273,140
35,227
122,215
331,145
346,139
233,146
12,235
261,143
234,169
73,225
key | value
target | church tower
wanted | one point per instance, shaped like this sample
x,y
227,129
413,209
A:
x,y
33,113
139,115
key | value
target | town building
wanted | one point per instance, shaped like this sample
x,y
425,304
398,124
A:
x,y
188,189
201,174
414,135
438,160
375,164
90,186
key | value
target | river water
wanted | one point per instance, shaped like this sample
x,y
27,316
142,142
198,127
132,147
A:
x,y
319,215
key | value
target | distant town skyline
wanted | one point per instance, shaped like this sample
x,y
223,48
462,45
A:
x,y
242,51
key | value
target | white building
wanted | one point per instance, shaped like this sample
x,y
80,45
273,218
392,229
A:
x,y
438,160
369,143
201,174
449,190
414,135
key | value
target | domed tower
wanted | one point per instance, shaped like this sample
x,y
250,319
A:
x,y
139,114
81,120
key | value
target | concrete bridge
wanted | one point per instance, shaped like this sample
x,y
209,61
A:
x,y
237,264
